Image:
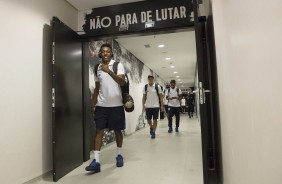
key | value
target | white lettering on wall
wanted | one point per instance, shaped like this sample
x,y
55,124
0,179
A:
x,y
126,19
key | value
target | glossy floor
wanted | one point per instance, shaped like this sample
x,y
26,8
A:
x,y
170,158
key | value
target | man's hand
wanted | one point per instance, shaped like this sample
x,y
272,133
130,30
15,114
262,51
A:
x,y
105,68
93,108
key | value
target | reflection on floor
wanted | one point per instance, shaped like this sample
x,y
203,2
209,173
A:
x,y
170,158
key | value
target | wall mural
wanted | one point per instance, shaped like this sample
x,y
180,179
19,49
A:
x,y
135,71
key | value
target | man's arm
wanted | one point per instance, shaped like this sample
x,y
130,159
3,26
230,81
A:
x,y
120,79
95,95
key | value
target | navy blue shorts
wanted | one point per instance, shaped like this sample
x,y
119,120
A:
x,y
152,113
112,118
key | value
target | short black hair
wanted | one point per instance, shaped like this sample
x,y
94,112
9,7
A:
x,y
150,77
172,81
106,45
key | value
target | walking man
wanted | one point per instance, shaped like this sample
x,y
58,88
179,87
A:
x,y
173,95
107,105
152,103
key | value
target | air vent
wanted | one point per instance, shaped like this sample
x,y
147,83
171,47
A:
x,y
147,46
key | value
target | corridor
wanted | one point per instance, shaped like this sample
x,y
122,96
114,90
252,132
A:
x,y
170,158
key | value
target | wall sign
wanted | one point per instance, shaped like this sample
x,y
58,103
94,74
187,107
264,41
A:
x,y
139,16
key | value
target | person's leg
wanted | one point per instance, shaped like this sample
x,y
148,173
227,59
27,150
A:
x,y
155,121
170,114
119,138
100,122
117,123
149,115
177,117
98,144
166,111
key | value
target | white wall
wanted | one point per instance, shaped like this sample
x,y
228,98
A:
x,y
25,111
248,47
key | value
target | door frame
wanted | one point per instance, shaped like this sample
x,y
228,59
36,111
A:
x,y
210,176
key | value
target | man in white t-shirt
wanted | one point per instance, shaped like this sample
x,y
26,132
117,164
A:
x,y
152,102
173,95
107,105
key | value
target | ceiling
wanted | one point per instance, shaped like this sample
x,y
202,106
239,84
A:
x,y
180,47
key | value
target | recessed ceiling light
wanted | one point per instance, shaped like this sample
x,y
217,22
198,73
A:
x,y
172,66
174,72
161,45
167,58
179,79
177,76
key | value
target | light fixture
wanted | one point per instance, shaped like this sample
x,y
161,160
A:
x,y
175,72
172,66
179,79
177,76
168,58
161,45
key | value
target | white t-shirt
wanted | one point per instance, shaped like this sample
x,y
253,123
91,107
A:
x,y
173,93
183,101
109,93
152,100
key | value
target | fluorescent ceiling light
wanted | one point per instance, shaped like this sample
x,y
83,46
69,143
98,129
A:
x,y
168,58
177,76
179,79
161,45
172,66
174,72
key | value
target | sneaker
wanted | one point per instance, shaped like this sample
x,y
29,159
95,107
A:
x,y
169,130
94,167
153,135
151,131
176,129
119,159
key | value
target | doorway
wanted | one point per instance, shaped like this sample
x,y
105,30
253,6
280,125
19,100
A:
x,y
86,98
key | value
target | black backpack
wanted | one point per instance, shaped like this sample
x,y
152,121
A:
x,y
157,89
124,88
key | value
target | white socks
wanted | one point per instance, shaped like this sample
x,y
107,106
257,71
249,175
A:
x,y
97,156
119,150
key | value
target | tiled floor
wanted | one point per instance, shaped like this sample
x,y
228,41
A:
x,y
170,158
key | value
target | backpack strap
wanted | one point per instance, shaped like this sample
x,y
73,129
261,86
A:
x,y
96,69
146,87
157,89
115,66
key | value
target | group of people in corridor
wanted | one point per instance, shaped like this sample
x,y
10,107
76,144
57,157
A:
x,y
108,105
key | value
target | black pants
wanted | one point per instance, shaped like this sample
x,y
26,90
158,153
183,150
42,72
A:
x,y
173,111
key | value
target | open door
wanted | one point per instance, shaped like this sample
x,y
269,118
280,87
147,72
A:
x,y
209,143
67,106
